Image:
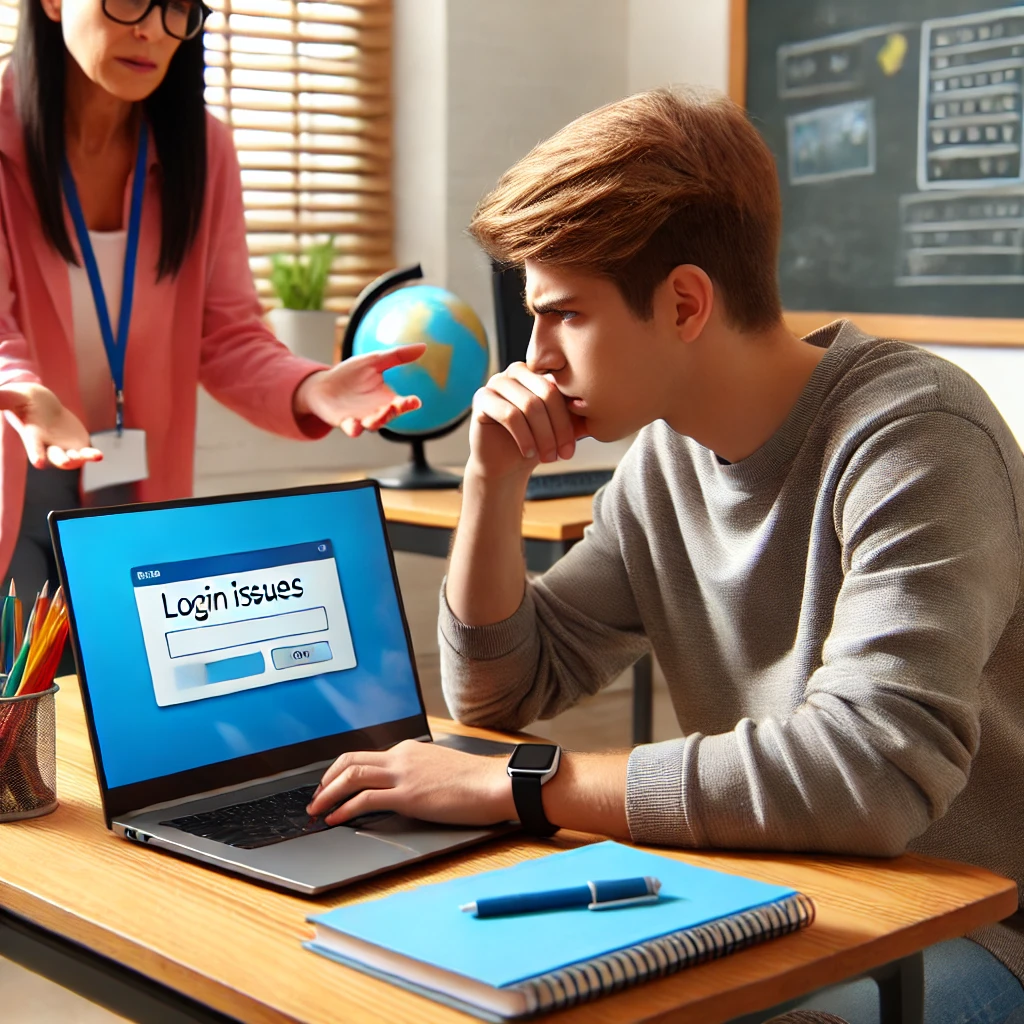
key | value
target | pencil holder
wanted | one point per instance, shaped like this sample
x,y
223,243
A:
x,y
28,755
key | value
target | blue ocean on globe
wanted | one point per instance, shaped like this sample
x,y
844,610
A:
x,y
448,374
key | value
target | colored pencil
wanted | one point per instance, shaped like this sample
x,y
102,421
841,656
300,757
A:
x,y
7,651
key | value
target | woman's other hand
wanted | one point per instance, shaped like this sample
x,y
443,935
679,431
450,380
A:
x,y
352,395
52,434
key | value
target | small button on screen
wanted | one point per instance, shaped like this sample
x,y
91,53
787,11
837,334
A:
x,y
305,654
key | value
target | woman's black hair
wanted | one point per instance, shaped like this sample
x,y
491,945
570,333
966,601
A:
x,y
176,112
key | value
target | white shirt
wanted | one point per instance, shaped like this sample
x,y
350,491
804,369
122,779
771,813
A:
x,y
94,381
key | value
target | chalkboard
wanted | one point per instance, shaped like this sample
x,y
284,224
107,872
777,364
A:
x,y
896,127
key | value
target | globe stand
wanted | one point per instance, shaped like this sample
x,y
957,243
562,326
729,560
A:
x,y
417,475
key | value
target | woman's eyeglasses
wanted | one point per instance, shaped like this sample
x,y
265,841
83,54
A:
x,y
182,19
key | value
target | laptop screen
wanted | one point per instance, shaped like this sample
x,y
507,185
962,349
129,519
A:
x,y
212,632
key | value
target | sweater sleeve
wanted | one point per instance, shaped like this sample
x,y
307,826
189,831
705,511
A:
x,y
576,630
889,724
242,364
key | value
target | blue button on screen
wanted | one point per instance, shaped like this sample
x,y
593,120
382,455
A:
x,y
235,668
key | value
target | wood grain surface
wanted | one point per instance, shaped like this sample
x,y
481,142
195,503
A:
x,y
237,946
554,519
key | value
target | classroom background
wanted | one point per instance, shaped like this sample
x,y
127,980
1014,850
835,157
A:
x,y
474,84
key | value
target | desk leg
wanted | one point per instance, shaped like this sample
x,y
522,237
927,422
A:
x,y
643,700
901,990
900,995
108,984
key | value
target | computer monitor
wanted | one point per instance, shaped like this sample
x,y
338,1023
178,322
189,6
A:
x,y
514,324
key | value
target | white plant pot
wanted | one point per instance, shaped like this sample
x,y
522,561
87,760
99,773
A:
x,y
307,332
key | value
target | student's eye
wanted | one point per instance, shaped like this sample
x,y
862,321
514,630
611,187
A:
x,y
566,314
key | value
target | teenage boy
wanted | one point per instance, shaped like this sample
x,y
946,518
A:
x,y
819,538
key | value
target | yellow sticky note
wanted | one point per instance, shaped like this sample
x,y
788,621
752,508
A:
x,y
890,56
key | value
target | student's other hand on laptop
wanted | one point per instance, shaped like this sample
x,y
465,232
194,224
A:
x,y
420,780
353,394
520,418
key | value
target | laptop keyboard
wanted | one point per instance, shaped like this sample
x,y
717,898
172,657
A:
x,y
262,822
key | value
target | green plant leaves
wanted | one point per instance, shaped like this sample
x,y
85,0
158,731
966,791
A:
x,y
300,283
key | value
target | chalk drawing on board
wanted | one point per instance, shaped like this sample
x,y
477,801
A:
x,y
831,142
836,63
956,238
969,114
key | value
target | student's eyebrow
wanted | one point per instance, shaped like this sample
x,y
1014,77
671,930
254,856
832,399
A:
x,y
558,304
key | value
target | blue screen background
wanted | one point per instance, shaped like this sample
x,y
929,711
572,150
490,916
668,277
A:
x,y
138,739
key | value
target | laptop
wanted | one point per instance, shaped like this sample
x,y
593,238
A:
x,y
229,649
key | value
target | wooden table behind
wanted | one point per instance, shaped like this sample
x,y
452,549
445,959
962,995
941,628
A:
x,y
236,946
558,519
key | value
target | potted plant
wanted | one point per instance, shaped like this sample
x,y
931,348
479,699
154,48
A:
x,y
299,283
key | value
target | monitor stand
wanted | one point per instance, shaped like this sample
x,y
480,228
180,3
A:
x,y
416,475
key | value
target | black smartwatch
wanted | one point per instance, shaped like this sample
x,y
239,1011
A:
x,y
529,767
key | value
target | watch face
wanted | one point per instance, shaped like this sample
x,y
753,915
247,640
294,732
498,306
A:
x,y
533,757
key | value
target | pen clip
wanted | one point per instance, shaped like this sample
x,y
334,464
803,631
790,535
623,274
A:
x,y
633,901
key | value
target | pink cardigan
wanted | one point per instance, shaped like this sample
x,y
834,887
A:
x,y
201,327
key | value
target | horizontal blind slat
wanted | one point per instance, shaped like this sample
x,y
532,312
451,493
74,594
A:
x,y
363,71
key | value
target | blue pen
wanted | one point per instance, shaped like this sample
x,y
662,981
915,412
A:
x,y
607,895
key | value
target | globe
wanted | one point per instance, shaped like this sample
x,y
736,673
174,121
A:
x,y
445,377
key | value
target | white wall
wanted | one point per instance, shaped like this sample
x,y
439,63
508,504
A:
x,y
673,42
517,72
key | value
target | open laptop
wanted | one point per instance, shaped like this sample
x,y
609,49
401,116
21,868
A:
x,y
229,649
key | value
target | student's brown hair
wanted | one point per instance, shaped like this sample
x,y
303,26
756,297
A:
x,y
638,187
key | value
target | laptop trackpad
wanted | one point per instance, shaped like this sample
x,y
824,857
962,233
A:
x,y
398,831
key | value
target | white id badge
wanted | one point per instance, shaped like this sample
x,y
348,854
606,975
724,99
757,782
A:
x,y
123,462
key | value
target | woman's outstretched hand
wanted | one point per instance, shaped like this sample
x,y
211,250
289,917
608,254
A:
x,y
51,433
352,395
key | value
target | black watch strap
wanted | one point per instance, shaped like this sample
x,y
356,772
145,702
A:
x,y
530,806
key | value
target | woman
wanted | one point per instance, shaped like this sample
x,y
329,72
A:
x,y
109,164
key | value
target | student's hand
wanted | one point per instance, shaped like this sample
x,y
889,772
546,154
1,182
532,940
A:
x,y
51,433
421,780
352,395
520,418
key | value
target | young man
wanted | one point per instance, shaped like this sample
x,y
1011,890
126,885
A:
x,y
819,538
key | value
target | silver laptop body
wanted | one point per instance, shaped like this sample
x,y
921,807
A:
x,y
228,650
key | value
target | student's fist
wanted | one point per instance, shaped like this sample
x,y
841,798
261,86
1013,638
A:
x,y
519,419
52,434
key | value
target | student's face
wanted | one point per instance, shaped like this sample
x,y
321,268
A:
x,y
128,61
615,369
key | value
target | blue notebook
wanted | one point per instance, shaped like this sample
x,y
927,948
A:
x,y
511,967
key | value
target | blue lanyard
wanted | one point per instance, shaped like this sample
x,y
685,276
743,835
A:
x,y
115,348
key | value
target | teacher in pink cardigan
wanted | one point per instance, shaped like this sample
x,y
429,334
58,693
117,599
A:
x,y
124,276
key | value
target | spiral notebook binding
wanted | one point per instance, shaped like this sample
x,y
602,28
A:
x,y
579,983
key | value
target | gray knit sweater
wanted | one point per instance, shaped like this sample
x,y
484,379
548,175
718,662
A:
x,y
839,618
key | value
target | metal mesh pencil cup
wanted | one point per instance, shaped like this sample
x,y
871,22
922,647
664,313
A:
x,y
28,755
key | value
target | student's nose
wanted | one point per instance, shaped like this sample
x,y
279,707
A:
x,y
542,354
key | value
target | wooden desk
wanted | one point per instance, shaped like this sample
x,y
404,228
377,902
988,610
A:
x,y
166,940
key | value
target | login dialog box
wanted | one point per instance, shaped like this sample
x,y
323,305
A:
x,y
234,622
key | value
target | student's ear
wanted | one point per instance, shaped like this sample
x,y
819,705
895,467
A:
x,y
692,294
51,8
